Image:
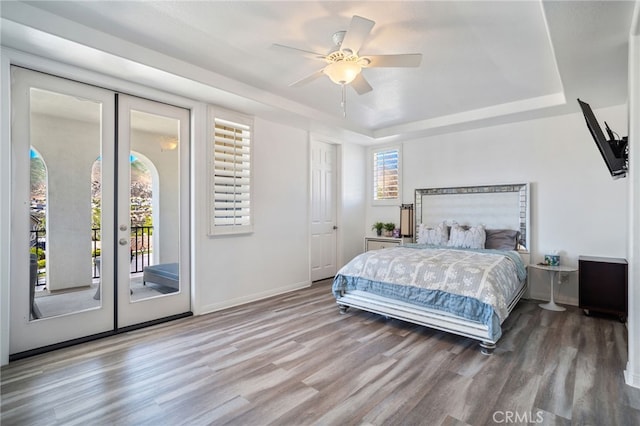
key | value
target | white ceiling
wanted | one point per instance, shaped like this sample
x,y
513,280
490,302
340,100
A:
x,y
483,62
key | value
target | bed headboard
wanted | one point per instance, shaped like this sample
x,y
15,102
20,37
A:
x,y
495,206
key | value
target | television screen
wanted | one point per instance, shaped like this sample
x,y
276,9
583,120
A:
x,y
613,151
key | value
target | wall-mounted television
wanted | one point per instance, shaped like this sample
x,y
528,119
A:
x,y
614,151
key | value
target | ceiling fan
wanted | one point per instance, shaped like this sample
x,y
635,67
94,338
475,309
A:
x,y
345,64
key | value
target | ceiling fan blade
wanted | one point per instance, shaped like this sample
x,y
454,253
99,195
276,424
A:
x,y
308,79
305,53
406,60
358,31
361,85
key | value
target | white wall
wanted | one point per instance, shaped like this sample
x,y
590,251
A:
x,y
353,202
632,372
576,207
230,270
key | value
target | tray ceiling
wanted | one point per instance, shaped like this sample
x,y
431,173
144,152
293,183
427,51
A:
x,y
483,62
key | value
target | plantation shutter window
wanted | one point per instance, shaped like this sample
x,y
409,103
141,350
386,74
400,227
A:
x,y
231,180
386,174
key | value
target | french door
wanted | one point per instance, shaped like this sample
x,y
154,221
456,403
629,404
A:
x,y
156,134
99,201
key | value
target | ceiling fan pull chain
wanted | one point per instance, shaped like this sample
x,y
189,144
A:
x,y
344,100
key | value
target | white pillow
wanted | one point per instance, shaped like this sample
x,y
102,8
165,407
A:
x,y
434,236
473,237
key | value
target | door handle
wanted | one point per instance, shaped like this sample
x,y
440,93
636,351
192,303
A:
x,y
123,241
123,227
335,227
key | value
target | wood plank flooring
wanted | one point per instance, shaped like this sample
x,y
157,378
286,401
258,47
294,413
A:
x,y
294,360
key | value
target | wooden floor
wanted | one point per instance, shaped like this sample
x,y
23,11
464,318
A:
x,y
294,360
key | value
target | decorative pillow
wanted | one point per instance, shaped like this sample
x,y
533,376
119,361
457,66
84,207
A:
x,y
502,239
437,236
474,237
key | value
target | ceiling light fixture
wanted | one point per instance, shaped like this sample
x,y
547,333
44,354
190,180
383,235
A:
x,y
168,143
343,68
343,71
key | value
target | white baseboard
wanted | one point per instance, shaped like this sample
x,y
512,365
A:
x,y
631,379
214,307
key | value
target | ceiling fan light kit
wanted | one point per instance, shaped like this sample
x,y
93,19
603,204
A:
x,y
344,66
343,71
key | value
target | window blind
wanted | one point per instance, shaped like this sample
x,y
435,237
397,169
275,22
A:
x,y
385,174
232,142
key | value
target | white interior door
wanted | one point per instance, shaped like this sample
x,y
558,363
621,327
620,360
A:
x,y
153,237
62,150
323,210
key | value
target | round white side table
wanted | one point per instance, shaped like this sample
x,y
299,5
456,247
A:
x,y
553,271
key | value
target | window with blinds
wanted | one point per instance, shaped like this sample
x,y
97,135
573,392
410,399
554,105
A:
x,y
386,175
231,180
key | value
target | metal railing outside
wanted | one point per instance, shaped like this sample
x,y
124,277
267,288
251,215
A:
x,y
140,249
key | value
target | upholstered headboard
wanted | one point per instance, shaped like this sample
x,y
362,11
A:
x,y
495,206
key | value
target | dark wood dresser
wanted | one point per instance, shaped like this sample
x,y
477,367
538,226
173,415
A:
x,y
603,285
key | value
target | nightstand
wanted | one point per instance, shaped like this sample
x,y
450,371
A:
x,y
553,271
603,285
377,243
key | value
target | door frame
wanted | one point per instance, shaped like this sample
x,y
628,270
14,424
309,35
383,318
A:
x,y
158,89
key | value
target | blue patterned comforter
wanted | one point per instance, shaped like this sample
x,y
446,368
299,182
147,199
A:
x,y
473,284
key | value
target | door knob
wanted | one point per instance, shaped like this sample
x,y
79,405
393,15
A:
x,y
335,227
123,241
123,227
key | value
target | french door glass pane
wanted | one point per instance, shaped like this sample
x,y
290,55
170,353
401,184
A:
x,y
154,204
65,214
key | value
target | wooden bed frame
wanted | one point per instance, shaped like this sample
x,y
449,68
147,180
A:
x,y
496,206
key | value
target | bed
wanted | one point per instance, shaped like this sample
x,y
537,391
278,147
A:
x,y
464,275
163,274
